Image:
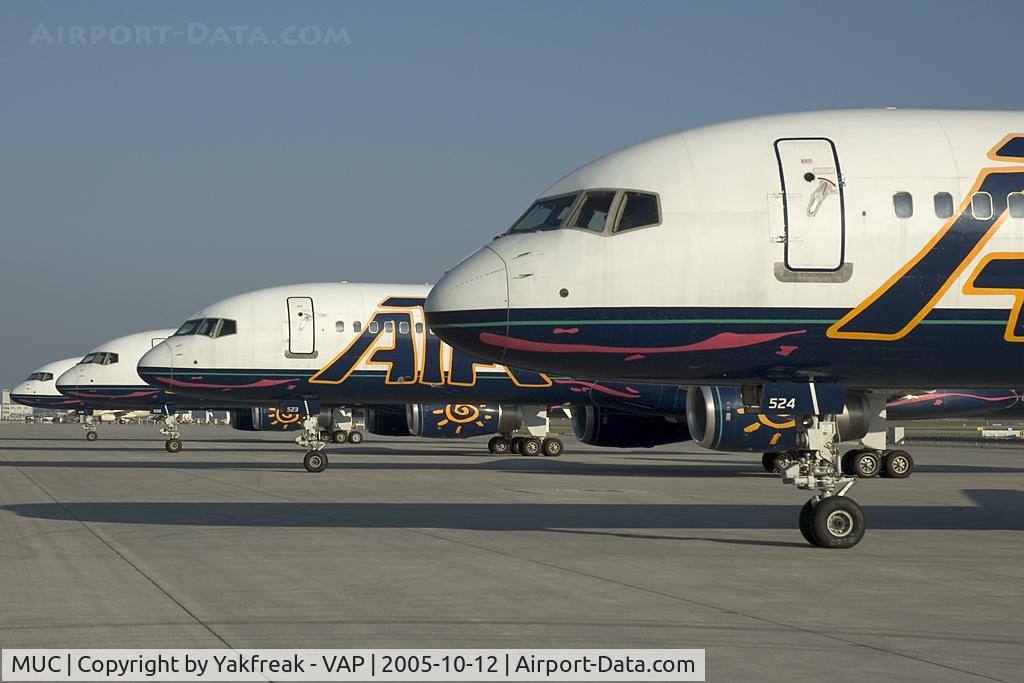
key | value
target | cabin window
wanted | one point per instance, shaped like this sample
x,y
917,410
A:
x,y
403,327
981,205
227,327
943,204
419,328
357,327
339,326
389,326
1015,203
637,210
373,327
592,213
545,214
903,204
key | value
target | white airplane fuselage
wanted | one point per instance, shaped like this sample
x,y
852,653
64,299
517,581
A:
x,y
875,249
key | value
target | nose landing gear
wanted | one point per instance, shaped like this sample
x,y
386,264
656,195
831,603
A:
x,y
313,439
170,430
89,425
830,519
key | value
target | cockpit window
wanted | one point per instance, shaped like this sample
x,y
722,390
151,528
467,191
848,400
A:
x,y
638,209
593,210
545,214
209,327
99,358
188,328
40,377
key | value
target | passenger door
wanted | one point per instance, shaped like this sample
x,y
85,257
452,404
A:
x,y
301,326
812,203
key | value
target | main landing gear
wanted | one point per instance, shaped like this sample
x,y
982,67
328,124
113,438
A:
x,y
529,446
830,519
864,463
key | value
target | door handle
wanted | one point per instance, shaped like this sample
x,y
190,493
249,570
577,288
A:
x,y
818,198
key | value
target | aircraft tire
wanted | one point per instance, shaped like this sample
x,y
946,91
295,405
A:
x,y
897,464
530,446
499,445
866,464
91,436
355,437
173,445
837,522
315,461
552,448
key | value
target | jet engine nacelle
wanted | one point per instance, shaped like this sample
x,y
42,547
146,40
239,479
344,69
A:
x,y
718,421
461,420
387,422
600,426
265,419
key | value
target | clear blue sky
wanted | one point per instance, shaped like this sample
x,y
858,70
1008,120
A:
x,y
141,182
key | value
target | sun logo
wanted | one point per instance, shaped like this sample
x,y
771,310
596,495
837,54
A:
x,y
281,418
762,420
461,414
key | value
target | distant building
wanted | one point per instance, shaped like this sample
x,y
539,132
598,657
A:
x,y
11,411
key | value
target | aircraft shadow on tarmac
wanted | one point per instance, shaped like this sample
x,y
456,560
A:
x,y
622,466
993,510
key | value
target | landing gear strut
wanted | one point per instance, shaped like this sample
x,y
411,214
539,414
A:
x,y
830,519
313,439
170,430
91,434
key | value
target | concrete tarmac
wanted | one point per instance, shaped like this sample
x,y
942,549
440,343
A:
x,y
412,543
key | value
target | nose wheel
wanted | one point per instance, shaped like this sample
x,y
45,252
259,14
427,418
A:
x,y
92,435
315,461
173,445
833,522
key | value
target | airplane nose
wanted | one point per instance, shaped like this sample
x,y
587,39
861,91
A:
x,y
470,298
155,364
68,381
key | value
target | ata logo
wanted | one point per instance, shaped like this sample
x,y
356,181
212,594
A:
x,y
461,414
765,422
283,419
396,340
906,298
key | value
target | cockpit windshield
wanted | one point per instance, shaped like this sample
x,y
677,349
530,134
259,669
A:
x,y
545,214
598,210
99,358
40,377
208,327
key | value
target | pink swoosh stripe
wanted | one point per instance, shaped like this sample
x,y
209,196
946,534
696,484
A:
x,y
259,384
134,394
631,393
723,340
927,398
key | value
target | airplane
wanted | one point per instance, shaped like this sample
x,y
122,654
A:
x,y
310,348
39,389
811,260
105,381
